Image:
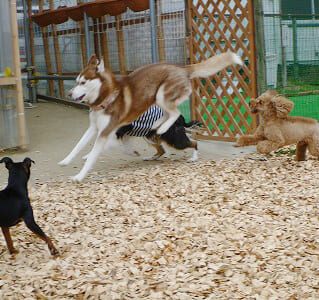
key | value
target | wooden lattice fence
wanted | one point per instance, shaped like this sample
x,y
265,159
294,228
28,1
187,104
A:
x,y
221,102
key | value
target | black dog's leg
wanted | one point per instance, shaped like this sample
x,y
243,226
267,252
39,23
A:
x,y
7,236
123,130
33,226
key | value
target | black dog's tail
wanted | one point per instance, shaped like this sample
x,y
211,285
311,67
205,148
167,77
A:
x,y
192,124
181,122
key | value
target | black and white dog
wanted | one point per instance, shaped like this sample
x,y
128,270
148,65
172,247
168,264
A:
x,y
175,136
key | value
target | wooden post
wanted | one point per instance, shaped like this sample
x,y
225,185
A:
x,y
104,46
47,57
17,74
283,43
194,103
187,32
260,60
82,37
57,54
187,57
295,47
260,50
31,32
120,42
160,35
96,38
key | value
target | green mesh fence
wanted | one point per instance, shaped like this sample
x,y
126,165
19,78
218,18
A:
x,y
185,111
184,108
292,57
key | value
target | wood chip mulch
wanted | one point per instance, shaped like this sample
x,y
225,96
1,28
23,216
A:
x,y
231,229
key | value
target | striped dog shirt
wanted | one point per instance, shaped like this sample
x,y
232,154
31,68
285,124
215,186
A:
x,y
143,124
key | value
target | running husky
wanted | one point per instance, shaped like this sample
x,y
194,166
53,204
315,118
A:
x,y
117,102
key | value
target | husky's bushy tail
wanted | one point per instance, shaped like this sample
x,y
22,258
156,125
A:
x,y
213,65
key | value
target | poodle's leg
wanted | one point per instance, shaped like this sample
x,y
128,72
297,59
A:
x,y
301,150
265,147
247,140
273,140
250,139
313,146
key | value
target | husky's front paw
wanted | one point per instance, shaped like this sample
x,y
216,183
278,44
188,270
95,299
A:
x,y
77,178
64,162
192,159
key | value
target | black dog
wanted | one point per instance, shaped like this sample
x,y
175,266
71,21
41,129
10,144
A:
x,y
15,204
175,137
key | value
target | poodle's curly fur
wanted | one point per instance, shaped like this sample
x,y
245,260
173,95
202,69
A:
x,y
277,129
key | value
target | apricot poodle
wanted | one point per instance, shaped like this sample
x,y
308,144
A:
x,y
276,129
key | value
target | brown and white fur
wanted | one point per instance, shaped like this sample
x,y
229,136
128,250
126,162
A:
x,y
124,100
277,129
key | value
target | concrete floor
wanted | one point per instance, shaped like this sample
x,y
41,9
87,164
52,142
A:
x,y
54,129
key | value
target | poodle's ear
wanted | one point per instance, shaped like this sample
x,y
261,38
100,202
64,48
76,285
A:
x,y
282,106
272,93
252,101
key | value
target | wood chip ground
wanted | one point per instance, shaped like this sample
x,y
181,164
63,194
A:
x,y
230,229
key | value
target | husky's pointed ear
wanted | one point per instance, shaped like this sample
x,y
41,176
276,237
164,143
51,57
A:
x,y
92,60
100,66
8,162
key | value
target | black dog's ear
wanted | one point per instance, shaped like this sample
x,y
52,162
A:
x,y
27,162
8,161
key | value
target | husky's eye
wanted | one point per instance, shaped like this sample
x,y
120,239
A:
x,y
82,82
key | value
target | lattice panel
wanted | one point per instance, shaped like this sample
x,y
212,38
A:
x,y
221,102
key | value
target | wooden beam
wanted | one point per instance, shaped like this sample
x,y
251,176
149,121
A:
x,y
47,56
192,59
17,73
260,70
160,35
96,38
104,45
120,42
82,38
31,33
57,54
113,24
8,81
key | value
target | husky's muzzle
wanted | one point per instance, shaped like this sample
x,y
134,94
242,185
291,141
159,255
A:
x,y
80,98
